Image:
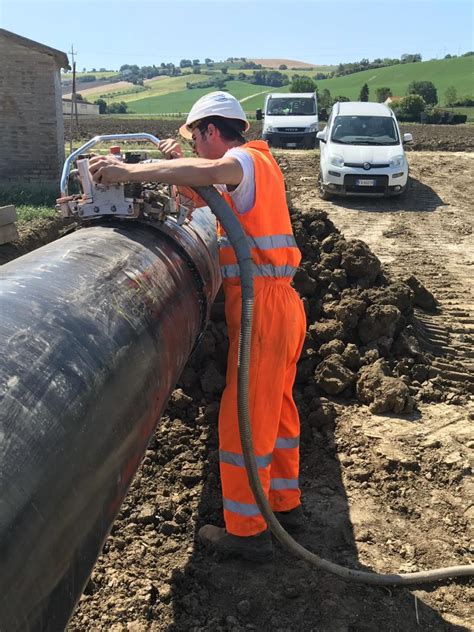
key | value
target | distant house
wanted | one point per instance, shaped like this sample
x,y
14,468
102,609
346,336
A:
x,y
82,108
31,117
390,100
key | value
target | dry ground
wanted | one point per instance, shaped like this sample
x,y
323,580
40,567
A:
x,y
382,492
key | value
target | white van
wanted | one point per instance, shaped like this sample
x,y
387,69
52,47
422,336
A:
x,y
361,151
290,119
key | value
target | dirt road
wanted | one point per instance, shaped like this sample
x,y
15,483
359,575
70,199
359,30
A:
x,y
385,492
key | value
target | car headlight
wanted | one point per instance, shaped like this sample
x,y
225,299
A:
x,y
337,161
269,128
397,161
313,127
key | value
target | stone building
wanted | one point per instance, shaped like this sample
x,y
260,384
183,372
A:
x,y
31,118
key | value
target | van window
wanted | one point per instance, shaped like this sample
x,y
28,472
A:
x,y
364,130
288,106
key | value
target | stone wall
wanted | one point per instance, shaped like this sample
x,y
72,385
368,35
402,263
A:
x,y
31,121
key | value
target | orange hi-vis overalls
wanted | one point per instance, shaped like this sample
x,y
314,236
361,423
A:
x,y
279,326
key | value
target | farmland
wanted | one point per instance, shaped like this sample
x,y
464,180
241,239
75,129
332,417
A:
x,y
170,94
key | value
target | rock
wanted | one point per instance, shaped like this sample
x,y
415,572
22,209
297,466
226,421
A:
x,y
407,345
379,321
397,293
191,473
322,418
332,375
370,356
168,528
243,607
324,331
180,399
359,262
330,260
212,381
419,372
164,508
303,283
351,357
147,514
422,297
333,346
382,392
348,310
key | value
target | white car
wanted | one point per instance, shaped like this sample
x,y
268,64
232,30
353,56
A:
x,y
361,151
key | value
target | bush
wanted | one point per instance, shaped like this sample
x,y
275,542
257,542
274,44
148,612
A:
x,y
364,93
425,89
437,116
409,108
117,108
382,94
302,84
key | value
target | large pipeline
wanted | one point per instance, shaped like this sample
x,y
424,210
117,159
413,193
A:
x,y
95,330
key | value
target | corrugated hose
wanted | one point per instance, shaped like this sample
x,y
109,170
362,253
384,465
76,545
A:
x,y
238,239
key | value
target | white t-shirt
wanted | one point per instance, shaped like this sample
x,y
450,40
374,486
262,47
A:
x,y
243,196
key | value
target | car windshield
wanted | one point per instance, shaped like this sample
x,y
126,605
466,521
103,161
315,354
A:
x,y
290,106
364,130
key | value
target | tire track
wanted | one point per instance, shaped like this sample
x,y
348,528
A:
x,y
428,233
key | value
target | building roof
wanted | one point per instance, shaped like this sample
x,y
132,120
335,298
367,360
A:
x,y
60,57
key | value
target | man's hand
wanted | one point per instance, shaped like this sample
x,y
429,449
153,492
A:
x,y
170,148
108,170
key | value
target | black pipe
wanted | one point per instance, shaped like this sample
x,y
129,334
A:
x,y
95,330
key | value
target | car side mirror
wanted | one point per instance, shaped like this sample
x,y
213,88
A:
x,y
259,114
321,136
407,138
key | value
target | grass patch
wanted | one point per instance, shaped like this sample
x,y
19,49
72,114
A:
x,y
28,194
443,73
27,213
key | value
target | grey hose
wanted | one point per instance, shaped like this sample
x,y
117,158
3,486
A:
x,y
238,240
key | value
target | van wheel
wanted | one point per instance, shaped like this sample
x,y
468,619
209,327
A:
x,y
322,192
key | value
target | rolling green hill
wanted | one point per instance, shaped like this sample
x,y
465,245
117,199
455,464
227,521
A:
x,y
170,95
457,72
181,101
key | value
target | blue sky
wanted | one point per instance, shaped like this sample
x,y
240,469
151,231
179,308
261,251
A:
x,y
109,33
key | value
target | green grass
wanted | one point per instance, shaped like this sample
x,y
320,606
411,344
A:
x,y
26,213
183,100
457,72
156,87
28,194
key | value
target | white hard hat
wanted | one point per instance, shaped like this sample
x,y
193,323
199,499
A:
x,y
214,104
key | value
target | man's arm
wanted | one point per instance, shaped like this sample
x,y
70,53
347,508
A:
x,y
185,171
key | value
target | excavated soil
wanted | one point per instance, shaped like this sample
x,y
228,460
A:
x,y
384,389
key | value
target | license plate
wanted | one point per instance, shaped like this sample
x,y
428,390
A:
x,y
365,183
291,144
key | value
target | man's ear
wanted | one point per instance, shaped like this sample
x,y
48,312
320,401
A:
x,y
211,129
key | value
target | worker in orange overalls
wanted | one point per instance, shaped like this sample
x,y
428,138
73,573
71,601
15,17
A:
x,y
252,183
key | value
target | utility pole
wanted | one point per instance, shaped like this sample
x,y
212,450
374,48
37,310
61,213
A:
x,y
72,52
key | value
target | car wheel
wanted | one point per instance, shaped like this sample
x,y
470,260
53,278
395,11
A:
x,y
322,191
